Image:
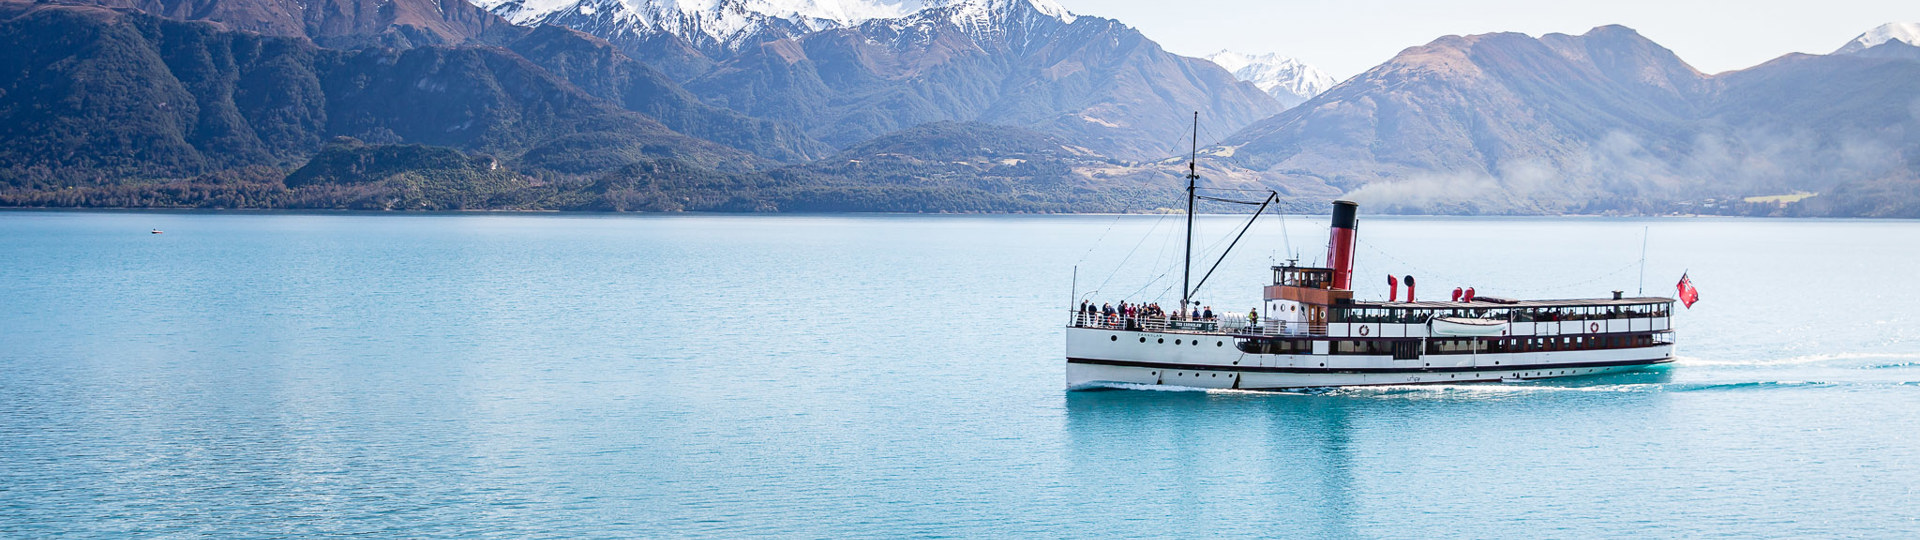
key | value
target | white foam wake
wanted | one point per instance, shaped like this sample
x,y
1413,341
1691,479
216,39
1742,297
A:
x,y
1795,360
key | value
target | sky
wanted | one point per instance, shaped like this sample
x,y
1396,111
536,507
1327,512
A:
x,y
1346,37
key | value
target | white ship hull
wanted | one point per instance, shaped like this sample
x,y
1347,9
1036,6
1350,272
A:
x,y
1100,358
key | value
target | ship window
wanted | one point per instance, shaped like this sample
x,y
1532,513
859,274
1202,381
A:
x,y
1116,337
1143,339
1175,342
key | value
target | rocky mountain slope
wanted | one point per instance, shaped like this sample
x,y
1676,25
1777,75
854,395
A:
x,y
596,67
1092,81
850,71
335,23
97,96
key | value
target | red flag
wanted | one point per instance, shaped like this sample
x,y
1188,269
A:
x,y
1688,295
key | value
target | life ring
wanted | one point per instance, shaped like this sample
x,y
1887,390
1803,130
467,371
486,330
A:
x,y
1593,327
1363,331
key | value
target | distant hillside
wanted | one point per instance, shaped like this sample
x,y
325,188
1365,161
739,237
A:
x,y
1606,121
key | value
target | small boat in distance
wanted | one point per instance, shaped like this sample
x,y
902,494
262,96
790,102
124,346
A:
x,y
156,231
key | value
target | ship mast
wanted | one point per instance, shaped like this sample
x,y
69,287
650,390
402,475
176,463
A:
x,y
1193,174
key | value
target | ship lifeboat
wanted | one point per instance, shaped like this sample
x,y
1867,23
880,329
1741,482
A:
x,y
1466,326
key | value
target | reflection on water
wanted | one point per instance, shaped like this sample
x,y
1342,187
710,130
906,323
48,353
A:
x,y
1339,462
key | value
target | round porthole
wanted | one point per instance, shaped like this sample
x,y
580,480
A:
x,y
1116,337
1176,342
1161,340
1219,343
1143,339
1196,343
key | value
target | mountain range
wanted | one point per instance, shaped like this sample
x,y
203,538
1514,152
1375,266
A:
x,y
936,105
851,74
1604,121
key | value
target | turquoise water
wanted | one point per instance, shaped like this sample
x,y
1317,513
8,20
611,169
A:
x,y
701,376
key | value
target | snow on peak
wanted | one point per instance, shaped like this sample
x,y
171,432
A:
x,y
997,10
985,18
723,21
1285,78
1908,33
729,21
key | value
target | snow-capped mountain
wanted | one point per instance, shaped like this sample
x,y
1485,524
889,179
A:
x,y
1287,79
846,71
712,26
719,27
1908,33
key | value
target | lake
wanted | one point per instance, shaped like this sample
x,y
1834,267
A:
x,y
303,375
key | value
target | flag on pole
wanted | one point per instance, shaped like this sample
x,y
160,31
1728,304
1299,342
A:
x,y
1688,295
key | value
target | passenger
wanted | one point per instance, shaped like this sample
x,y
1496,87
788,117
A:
x,y
1253,317
1209,313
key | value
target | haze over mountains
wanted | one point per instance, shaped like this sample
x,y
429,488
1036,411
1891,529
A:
x,y
954,105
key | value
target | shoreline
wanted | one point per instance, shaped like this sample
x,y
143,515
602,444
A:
x,y
584,213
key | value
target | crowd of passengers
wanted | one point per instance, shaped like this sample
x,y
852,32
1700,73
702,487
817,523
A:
x,y
1404,316
1130,316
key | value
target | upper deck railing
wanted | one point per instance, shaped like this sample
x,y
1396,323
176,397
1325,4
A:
x,y
1222,324
1239,325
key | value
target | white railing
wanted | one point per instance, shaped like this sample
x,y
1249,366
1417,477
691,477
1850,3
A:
x,y
1238,324
1222,324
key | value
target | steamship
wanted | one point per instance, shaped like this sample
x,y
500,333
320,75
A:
x,y
1311,332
